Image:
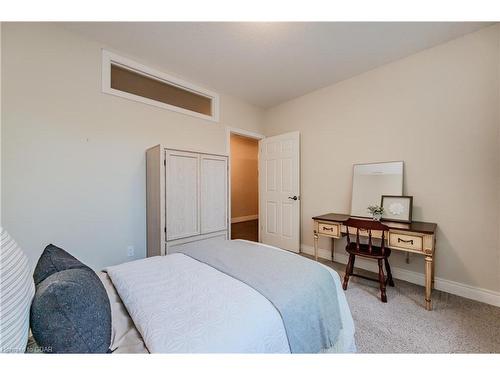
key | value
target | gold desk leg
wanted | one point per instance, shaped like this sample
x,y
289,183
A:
x,y
433,262
316,245
433,272
428,282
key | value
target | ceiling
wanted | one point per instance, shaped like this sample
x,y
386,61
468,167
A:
x,y
269,63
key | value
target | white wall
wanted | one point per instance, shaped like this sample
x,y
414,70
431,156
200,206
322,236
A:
x,y
73,158
437,110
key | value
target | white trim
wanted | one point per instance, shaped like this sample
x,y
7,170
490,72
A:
x,y
245,133
195,150
109,57
241,219
490,297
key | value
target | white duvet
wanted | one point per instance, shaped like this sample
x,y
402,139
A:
x,y
180,305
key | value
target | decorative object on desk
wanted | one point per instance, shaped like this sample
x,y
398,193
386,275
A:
x,y
371,181
397,208
376,211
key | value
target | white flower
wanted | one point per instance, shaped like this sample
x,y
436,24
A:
x,y
396,208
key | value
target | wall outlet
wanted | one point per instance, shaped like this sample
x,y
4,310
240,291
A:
x,y
130,251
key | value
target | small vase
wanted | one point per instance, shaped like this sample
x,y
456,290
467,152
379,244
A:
x,y
377,217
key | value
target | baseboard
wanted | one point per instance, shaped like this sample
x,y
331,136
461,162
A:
x,y
240,219
463,290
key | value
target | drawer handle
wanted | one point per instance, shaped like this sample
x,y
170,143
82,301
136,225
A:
x,y
326,228
405,241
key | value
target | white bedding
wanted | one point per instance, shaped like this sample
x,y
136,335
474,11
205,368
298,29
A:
x,y
202,310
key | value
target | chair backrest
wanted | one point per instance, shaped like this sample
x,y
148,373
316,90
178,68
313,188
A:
x,y
366,225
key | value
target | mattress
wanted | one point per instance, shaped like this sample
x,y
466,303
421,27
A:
x,y
127,339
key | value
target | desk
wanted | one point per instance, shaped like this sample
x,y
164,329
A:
x,y
417,237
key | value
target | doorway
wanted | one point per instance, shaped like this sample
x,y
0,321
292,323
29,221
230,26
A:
x,y
271,172
244,184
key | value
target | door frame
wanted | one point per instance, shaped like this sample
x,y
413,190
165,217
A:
x,y
245,133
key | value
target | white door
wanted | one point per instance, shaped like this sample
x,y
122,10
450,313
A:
x,y
213,193
183,205
279,191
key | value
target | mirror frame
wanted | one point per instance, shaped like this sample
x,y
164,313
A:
x,y
377,162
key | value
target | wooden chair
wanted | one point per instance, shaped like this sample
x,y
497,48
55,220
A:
x,y
368,250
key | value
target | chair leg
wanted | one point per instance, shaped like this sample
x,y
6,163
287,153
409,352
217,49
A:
x,y
389,273
348,271
381,280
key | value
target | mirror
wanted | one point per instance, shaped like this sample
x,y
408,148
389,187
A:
x,y
371,181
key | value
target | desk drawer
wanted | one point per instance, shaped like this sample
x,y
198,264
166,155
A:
x,y
329,229
405,241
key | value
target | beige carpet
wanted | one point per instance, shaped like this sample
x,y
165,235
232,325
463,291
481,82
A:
x,y
402,325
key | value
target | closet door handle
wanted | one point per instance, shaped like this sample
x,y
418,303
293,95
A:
x,y
293,198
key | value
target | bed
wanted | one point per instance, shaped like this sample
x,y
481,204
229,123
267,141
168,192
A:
x,y
215,296
202,318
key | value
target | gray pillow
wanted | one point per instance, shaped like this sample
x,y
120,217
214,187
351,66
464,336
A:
x,y
52,260
71,313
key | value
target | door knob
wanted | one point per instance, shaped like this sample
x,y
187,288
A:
x,y
293,198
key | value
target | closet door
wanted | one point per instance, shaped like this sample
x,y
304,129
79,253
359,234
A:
x,y
213,193
182,191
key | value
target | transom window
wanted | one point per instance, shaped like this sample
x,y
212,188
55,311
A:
x,y
131,80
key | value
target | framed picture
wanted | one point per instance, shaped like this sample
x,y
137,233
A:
x,y
397,208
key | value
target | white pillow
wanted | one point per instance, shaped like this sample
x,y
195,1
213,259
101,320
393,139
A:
x,y
17,289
